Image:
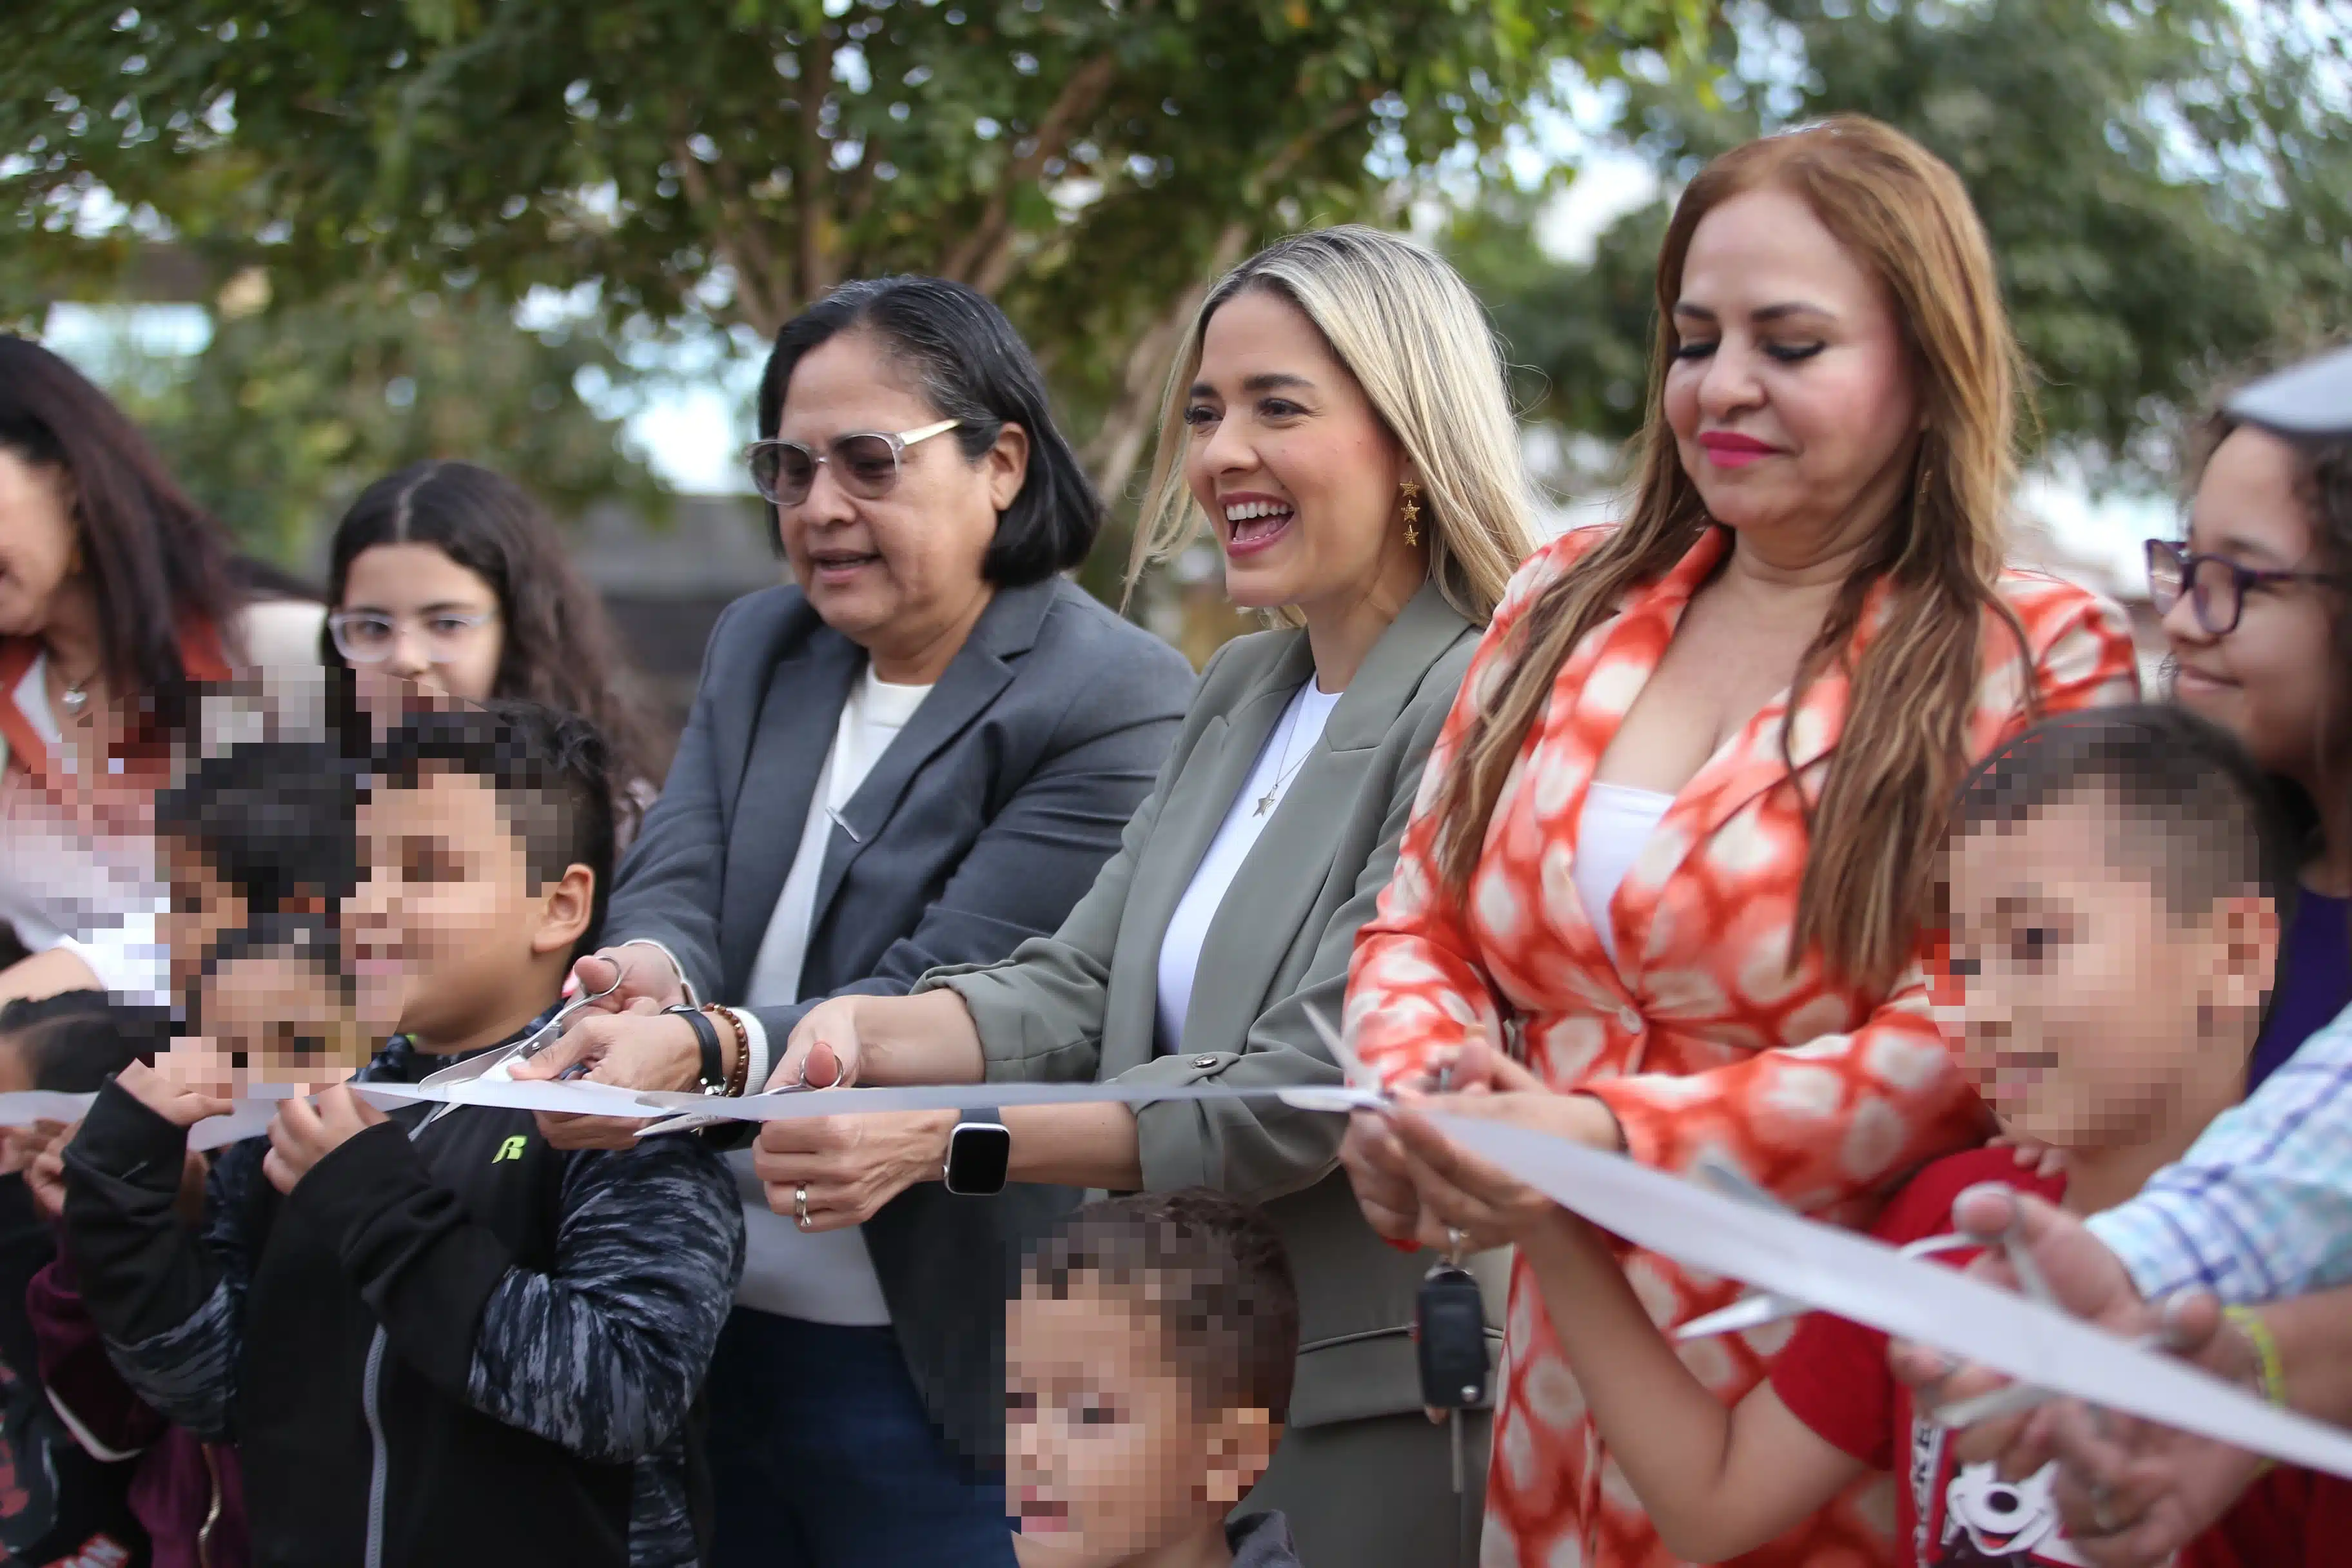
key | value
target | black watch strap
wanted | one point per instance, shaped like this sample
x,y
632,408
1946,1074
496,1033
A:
x,y
980,1151
706,1036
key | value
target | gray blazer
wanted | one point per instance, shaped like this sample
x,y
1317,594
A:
x,y
982,825
1083,1004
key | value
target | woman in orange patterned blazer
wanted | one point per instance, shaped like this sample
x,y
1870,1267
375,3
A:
x,y
1671,851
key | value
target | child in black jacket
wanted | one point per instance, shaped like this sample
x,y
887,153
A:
x,y
438,1340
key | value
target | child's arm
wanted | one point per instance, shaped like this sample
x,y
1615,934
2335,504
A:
x,y
603,1354
1717,1482
104,1413
169,1301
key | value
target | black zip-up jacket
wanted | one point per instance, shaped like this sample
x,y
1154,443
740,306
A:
x,y
450,1345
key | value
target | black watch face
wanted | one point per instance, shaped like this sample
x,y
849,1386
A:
x,y
978,1156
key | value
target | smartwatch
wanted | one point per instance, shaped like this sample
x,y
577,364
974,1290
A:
x,y
980,1150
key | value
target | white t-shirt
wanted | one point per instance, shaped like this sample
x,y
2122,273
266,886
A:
x,y
95,895
828,1276
1616,823
1296,738
103,898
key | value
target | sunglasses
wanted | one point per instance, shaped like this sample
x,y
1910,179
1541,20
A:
x,y
865,465
2217,586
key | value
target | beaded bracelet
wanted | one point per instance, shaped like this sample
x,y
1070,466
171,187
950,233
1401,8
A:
x,y
738,1075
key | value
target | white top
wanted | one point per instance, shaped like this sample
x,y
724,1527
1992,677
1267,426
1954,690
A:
x,y
96,895
826,1278
101,896
1617,822
1295,738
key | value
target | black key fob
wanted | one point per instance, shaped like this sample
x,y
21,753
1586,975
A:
x,y
1450,1333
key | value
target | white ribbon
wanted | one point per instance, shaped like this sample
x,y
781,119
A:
x,y
1868,1282
1828,1268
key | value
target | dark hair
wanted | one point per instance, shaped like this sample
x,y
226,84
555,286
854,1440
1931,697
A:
x,y
306,939
74,1041
275,819
556,643
969,365
1211,1269
2190,810
305,936
158,561
551,772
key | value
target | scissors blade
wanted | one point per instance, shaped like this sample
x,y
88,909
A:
x,y
523,1051
1351,1067
1750,1312
2012,1400
686,1123
1732,1182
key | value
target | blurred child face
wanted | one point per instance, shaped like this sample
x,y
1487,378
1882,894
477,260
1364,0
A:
x,y
280,1018
202,907
1110,1452
2089,1005
444,918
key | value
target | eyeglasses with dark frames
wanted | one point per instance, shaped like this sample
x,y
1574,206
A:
x,y
2217,586
865,464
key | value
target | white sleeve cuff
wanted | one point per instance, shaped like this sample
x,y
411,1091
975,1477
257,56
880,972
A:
x,y
674,967
755,1051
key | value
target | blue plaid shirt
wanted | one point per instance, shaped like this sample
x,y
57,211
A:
x,y
2261,1208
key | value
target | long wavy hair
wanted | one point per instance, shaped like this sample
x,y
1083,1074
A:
x,y
1905,215
1416,340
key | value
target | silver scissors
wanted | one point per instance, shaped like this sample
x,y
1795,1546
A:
x,y
523,1051
1361,1088
1765,1306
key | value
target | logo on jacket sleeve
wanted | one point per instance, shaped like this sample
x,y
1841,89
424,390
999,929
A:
x,y
510,1150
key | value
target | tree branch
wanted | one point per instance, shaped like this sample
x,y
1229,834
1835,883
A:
x,y
736,239
982,260
808,157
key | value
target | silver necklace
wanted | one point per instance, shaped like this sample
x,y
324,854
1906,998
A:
x,y
1286,767
75,697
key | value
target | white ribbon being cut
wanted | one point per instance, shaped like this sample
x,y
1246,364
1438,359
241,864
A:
x,y
1781,1253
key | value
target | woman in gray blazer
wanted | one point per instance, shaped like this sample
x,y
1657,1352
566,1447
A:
x,y
918,754
1339,421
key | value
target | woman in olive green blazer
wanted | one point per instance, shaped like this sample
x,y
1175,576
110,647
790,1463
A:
x,y
1342,422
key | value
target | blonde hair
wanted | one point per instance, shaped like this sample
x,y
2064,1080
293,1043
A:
x,y
1903,213
1416,340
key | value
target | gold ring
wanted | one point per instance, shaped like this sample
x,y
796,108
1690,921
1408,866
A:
x,y
800,1205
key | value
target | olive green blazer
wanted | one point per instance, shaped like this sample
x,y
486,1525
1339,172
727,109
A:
x,y
1082,1004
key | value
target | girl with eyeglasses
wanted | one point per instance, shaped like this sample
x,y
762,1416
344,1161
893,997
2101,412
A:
x,y
450,577
2259,619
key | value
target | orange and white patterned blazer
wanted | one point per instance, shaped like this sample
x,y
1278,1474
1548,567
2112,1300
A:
x,y
1699,1036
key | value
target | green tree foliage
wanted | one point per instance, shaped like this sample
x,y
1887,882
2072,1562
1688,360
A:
x,y
2167,185
287,414
1089,161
